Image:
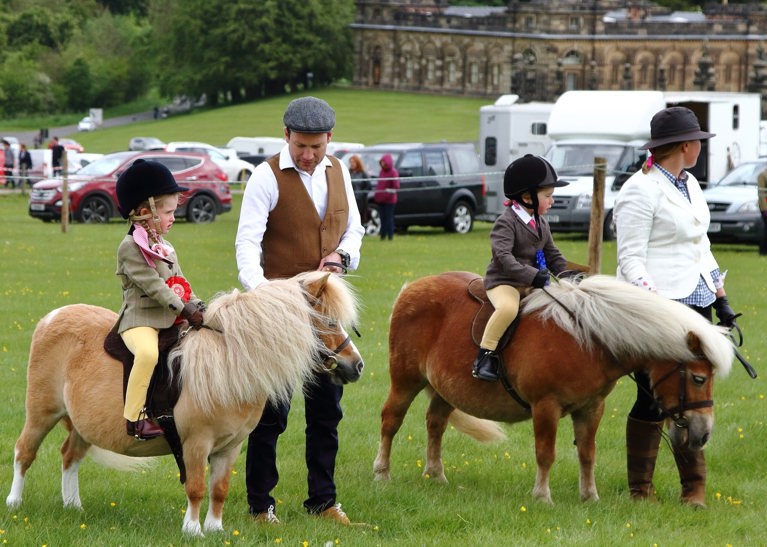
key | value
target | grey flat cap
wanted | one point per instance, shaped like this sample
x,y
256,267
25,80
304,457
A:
x,y
309,115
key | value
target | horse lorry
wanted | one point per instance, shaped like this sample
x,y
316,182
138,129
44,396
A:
x,y
509,130
613,125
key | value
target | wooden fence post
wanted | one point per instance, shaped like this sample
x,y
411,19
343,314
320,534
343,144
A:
x,y
597,216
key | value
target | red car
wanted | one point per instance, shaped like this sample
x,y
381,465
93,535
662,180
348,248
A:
x,y
92,195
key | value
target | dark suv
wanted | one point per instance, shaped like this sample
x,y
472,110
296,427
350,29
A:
x,y
441,184
92,196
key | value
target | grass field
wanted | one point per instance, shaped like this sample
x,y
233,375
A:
x,y
361,116
487,500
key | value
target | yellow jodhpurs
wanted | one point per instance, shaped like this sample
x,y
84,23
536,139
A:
x,y
505,300
143,344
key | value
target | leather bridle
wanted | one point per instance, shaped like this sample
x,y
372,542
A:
x,y
676,413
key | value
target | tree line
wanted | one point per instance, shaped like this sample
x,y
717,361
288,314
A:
x,y
70,55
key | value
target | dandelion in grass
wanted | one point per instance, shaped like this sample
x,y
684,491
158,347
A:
x,y
523,509
375,528
418,464
409,437
278,540
83,526
628,525
588,522
305,543
236,533
113,504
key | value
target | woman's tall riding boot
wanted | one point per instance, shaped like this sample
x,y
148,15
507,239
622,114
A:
x,y
692,476
642,442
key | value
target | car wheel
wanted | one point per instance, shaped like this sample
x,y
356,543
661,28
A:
x,y
373,225
608,230
461,218
94,210
201,209
243,175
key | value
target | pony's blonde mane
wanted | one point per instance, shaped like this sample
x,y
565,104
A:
x,y
631,323
267,344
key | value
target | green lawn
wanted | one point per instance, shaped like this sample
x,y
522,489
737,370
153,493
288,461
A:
x,y
487,499
362,116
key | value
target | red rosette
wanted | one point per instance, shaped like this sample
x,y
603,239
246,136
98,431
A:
x,y
180,286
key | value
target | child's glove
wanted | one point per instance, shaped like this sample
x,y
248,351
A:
x,y
541,278
193,314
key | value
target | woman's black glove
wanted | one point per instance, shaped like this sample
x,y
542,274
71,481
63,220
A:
x,y
724,312
193,314
541,278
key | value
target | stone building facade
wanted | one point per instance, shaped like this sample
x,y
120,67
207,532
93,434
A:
x,y
541,48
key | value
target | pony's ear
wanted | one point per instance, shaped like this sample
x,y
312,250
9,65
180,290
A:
x,y
693,343
316,287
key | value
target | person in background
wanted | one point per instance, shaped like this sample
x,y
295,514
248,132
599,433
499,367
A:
x,y
662,219
361,185
523,252
761,185
9,160
386,195
25,165
298,214
57,155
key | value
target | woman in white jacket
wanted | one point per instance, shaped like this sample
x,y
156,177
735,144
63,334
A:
x,y
662,220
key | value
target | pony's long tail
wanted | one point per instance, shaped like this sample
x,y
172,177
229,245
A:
x,y
484,431
119,461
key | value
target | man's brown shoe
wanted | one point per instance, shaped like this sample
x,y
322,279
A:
x,y
143,430
267,517
335,513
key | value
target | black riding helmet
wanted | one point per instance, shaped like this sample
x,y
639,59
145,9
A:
x,y
142,180
529,174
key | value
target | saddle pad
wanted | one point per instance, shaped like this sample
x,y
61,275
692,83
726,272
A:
x,y
162,395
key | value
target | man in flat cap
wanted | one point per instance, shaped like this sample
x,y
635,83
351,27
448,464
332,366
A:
x,y
299,214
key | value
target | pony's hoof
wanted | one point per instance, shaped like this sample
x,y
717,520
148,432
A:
x,y
380,475
12,502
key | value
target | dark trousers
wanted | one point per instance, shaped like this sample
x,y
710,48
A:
x,y
323,414
763,240
645,408
8,174
387,220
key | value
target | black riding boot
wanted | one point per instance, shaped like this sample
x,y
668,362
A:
x,y
485,366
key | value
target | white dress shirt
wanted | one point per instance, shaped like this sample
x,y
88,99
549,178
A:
x,y
260,198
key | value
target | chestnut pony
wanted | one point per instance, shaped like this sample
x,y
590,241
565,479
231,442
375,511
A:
x,y
266,342
573,342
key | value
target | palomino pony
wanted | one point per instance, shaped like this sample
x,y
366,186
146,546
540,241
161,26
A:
x,y
573,342
261,345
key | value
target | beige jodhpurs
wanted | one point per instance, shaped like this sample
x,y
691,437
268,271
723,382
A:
x,y
143,344
505,300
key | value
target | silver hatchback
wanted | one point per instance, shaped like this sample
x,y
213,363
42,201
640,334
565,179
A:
x,y
734,205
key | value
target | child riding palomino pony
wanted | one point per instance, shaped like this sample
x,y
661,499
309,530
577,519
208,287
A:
x,y
262,344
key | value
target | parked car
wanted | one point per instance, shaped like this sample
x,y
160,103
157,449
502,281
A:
x,y
441,184
92,189
734,204
236,168
86,124
146,143
71,144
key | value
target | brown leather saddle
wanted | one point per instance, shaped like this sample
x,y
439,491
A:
x,y
163,393
476,290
